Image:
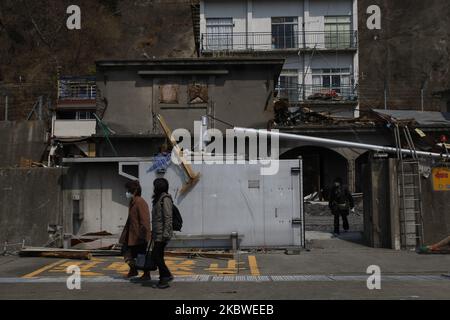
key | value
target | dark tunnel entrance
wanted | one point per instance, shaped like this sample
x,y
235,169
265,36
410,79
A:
x,y
320,167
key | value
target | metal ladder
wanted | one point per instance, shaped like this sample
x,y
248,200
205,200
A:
x,y
409,186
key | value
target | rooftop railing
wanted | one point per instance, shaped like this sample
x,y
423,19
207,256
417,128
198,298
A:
x,y
77,88
267,41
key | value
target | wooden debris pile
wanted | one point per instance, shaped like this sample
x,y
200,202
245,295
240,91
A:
x,y
442,247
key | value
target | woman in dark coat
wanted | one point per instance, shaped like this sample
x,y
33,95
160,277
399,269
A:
x,y
136,233
162,229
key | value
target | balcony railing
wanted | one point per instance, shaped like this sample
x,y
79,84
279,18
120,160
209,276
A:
x,y
267,41
77,88
318,93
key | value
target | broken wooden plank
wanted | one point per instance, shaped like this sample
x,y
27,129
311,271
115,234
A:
x,y
205,254
100,233
99,244
56,253
442,247
441,244
105,253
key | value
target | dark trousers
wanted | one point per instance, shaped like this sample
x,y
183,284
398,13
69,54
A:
x,y
130,252
344,214
158,258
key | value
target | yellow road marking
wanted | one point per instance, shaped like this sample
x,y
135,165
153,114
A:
x,y
43,269
231,268
177,265
254,270
183,268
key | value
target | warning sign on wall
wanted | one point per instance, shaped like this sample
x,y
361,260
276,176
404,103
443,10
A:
x,y
441,179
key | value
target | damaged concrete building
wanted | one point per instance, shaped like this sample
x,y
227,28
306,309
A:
x,y
230,92
333,86
287,65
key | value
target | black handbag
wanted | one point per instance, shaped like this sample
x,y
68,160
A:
x,y
144,261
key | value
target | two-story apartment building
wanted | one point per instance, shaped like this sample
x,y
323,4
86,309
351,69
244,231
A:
x,y
317,38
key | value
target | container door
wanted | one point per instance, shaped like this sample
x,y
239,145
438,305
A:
x,y
282,206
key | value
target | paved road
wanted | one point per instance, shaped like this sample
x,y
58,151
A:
x,y
330,269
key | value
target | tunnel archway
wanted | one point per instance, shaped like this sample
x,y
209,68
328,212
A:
x,y
320,167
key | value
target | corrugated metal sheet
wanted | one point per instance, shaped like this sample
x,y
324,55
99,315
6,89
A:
x,y
426,118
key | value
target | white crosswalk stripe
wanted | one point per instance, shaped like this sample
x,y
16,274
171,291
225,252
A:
x,y
238,278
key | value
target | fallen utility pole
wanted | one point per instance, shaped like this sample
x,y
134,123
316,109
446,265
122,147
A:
x,y
341,143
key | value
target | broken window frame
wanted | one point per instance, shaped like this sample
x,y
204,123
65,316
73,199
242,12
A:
x,y
165,100
337,79
289,89
205,99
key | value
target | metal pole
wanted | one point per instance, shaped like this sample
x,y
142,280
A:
x,y
385,98
340,143
301,203
40,108
421,98
203,133
6,108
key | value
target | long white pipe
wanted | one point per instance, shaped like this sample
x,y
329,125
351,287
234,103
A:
x,y
340,143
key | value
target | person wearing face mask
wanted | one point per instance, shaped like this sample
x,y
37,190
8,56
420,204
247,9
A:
x,y
136,233
341,202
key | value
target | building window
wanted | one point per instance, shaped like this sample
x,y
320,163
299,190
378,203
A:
x,y
168,93
85,115
336,80
338,32
288,85
76,115
219,33
285,33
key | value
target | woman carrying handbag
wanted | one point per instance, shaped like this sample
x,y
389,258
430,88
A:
x,y
136,234
162,229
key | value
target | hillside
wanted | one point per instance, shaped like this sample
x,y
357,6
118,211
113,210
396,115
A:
x,y
36,45
411,51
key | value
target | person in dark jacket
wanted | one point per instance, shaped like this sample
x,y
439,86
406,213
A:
x,y
162,230
136,233
341,202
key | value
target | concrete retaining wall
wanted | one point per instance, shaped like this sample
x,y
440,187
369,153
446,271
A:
x,y
25,139
30,199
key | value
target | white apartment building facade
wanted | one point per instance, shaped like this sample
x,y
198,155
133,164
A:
x,y
317,38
